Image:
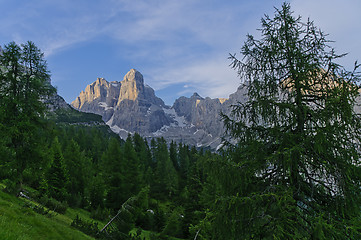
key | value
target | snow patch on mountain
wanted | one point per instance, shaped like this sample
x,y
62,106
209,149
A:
x,y
179,121
219,146
119,130
161,131
110,122
104,105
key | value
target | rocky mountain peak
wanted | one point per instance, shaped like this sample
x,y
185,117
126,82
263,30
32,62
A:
x,y
131,86
222,100
101,81
126,106
196,96
134,76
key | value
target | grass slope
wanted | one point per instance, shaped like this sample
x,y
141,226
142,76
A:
x,y
22,223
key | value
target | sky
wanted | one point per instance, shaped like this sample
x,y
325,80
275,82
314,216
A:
x,y
180,46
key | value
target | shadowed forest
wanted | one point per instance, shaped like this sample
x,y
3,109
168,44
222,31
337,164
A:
x,y
289,168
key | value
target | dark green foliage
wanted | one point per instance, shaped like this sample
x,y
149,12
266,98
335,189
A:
x,y
53,204
143,152
88,227
174,226
166,180
294,172
56,177
24,81
113,167
71,115
132,169
100,213
183,164
78,168
173,155
40,209
96,192
10,187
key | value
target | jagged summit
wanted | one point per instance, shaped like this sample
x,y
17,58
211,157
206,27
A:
x,y
134,76
131,106
132,86
196,96
126,106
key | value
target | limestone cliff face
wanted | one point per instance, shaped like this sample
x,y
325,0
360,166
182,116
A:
x,y
126,106
131,106
100,91
131,86
203,113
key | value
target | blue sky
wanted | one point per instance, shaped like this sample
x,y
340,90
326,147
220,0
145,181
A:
x,y
180,46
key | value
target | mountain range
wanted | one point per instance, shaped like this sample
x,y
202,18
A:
x,y
131,106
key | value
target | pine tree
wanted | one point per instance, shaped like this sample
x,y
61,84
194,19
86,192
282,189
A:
x,y
294,172
113,172
132,173
143,154
57,178
165,173
78,167
24,83
184,163
173,155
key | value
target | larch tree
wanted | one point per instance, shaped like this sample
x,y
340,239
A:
x,y
24,83
294,172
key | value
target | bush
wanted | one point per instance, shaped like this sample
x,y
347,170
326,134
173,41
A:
x,y
174,224
53,204
75,200
10,187
39,209
100,213
43,211
88,227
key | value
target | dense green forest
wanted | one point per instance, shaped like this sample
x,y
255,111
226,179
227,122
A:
x,y
289,169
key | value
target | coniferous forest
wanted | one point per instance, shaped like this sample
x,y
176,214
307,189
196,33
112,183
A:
x,y
289,168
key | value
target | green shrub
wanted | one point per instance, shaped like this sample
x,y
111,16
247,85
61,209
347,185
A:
x,y
39,209
100,213
88,227
10,187
54,205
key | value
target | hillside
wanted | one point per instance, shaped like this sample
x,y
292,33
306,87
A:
x,y
19,221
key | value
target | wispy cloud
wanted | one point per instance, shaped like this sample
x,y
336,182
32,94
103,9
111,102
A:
x,y
340,19
173,42
212,78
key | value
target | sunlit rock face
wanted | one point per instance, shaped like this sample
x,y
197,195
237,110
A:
x,y
130,106
127,106
131,86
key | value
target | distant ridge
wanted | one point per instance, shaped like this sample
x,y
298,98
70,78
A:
x,y
130,106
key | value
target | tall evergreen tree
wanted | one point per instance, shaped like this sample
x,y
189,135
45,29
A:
x,y
57,179
113,172
24,82
131,171
173,155
143,153
295,171
166,175
78,167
